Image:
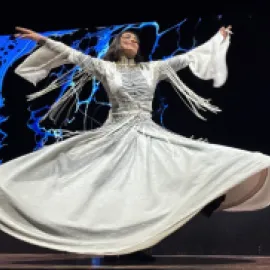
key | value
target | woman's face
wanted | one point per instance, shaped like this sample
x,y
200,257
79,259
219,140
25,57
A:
x,y
129,44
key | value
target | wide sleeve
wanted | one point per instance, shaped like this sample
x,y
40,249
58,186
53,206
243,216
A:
x,y
53,54
207,61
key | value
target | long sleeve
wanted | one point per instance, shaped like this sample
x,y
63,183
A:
x,y
207,61
54,54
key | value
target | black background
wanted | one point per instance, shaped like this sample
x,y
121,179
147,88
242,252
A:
x,y
244,100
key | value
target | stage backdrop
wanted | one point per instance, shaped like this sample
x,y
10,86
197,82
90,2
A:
x,y
241,124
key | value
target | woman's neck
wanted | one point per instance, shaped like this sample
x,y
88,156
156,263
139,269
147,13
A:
x,y
124,60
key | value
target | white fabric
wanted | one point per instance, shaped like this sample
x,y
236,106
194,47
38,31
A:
x,y
207,61
127,185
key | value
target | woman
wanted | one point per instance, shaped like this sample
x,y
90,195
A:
x,y
127,185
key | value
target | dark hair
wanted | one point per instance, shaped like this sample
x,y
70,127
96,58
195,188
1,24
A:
x,y
114,52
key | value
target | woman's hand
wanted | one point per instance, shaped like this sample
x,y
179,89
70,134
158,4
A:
x,y
29,34
225,31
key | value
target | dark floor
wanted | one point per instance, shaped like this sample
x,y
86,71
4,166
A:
x,y
69,261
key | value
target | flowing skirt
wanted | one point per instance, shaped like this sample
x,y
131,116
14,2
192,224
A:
x,y
124,187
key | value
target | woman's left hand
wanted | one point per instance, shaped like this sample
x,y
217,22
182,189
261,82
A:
x,y
225,31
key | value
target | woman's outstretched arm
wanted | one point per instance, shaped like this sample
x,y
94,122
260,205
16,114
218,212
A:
x,y
207,61
51,55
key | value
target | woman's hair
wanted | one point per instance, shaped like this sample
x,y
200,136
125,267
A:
x,y
114,52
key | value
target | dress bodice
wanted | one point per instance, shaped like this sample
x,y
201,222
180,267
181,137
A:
x,y
130,92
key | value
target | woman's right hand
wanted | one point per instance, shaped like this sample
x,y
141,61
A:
x,y
29,34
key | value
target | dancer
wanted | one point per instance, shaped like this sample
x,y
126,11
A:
x,y
127,185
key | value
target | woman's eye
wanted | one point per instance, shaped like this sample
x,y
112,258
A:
x,y
130,37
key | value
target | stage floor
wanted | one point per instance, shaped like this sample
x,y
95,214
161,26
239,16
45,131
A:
x,y
70,261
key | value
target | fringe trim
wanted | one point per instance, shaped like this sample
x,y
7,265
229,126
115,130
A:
x,y
71,95
193,101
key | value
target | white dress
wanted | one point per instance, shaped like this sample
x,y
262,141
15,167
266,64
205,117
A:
x,y
130,183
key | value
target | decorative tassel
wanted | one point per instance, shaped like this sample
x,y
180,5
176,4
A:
x,y
80,79
72,93
64,78
193,101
